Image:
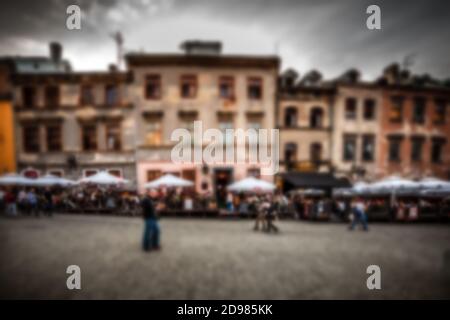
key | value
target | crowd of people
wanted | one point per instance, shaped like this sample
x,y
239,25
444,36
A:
x,y
37,201
46,200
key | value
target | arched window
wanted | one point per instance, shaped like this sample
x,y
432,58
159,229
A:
x,y
290,152
316,118
315,152
290,117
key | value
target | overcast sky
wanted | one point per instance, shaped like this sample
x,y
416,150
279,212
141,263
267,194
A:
x,y
330,36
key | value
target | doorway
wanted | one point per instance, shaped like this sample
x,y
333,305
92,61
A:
x,y
222,178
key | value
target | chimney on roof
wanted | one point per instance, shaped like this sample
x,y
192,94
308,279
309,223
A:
x,y
56,52
197,47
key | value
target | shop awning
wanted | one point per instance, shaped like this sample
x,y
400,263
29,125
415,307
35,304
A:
x,y
308,180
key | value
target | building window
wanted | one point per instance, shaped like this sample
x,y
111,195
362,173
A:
x,y
113,133
226,87
29,97
368,148
89,137
416,148
86,95
52,96
440,111
254,88
153,131
189,86
115,172
350,108
316,118
226,122
419,111
395,144
396,109
153,86
89,172
153,175
437,147
349,147
30,173
290,152
111,95
315,152
254,123
369,109
290,117
187,120
54,138
31,138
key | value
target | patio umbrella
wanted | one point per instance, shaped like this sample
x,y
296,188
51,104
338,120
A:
x,y
103,178
359,187
394,183
394,186
251,184
434,183
13,179
51,180
168,181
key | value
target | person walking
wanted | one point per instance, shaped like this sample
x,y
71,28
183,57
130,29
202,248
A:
x,y
151,238
258,208
359,215
271,212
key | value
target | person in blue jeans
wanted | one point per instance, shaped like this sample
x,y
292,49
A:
x,y
151,226
359,215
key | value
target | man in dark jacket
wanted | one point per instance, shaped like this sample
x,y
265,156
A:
x,y
151,229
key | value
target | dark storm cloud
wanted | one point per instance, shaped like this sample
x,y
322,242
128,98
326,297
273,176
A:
x,y
328,35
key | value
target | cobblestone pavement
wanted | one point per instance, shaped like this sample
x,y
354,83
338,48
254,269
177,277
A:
x,y
220,259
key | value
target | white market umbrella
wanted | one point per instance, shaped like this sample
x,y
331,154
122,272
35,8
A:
x,y
51,180
13,179
359,187
103,178
168,181
393,183
251,184
434,183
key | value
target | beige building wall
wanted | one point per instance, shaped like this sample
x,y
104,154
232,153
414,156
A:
x,y
303,135
207,104
71,114
358,127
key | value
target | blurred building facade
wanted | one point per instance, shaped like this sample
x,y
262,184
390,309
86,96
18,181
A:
x,y
173,91
415,126
305,122
71,124
76,123
356,125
